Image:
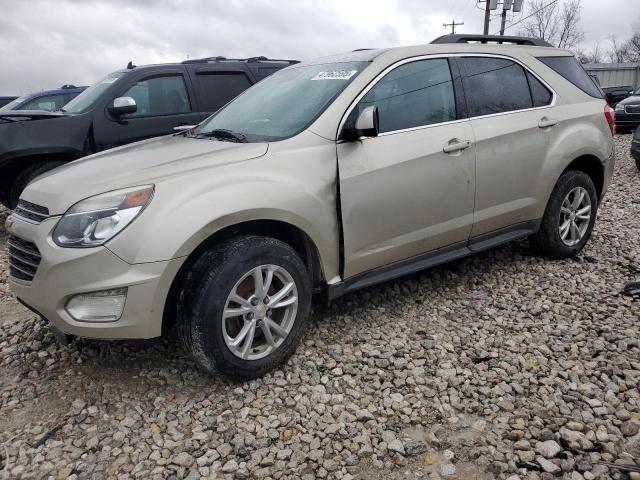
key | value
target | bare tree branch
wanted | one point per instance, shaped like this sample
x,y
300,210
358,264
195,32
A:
x,y
558,24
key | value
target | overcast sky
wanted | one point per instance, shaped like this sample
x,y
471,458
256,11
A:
x,y
46,43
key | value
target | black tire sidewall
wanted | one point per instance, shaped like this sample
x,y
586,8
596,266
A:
x,y
237,259
25,177
551,221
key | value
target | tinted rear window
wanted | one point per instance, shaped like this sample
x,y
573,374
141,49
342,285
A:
x,y
217,88
570,69
494,85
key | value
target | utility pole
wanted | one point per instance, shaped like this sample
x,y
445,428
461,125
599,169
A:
x,y
506,5
487,14
503,22
453,25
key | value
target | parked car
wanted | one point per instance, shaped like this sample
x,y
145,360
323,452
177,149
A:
x,y
616,93
635,147
328,176
48,100
628,113
5,100
125,106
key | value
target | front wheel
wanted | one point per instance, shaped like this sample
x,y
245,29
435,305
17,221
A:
x,y
244,306
569,217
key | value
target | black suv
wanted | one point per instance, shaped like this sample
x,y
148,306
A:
x,y
616,93
125,106
628,113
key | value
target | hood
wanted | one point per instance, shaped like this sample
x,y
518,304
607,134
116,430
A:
x,y
139,163
21,115
630,100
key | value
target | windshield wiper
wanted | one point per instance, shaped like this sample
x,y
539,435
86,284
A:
x,y
224,135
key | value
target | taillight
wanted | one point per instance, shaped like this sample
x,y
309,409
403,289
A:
x,y
611,119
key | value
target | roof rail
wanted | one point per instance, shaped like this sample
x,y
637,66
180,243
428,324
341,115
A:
x,y
467,38
248,60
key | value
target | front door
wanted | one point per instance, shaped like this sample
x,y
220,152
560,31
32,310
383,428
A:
x,y
163,103
410,189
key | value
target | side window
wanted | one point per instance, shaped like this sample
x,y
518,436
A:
x,y
539,93
412,95
49,103
494,85
571,69
215,89
164,95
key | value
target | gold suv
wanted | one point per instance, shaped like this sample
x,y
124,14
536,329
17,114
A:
x,y
327,176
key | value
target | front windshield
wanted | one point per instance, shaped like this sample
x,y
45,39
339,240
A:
x,y
283,104
13,104
91,94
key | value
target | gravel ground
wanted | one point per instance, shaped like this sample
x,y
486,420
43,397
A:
x,y
502,365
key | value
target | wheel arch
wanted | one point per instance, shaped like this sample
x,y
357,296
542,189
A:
x,y
593,167
286,232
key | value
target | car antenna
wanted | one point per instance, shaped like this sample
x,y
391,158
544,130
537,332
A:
x,y
130,65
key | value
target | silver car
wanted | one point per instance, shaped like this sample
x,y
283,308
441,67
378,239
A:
x,y
328,176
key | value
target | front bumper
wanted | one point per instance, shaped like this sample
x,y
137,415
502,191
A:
x,y
65,272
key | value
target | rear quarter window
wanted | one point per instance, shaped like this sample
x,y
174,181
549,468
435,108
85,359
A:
x,y
570,69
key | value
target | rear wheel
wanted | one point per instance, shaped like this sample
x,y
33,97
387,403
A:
x,y
27,176
244,306
569,217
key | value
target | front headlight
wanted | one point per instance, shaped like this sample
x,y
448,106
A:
x,y
619,107
95,220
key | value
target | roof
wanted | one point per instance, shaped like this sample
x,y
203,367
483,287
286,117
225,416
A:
x,y
369,55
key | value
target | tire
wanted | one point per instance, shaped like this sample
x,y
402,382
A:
x,y
548,240
206,296
27,176
622,130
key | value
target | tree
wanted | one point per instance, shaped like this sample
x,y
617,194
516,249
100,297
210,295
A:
x,y
632,48
558,24
617,52
595,55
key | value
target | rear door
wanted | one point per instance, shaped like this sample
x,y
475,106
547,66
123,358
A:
x,y
512,120
215,87
409,190
164,101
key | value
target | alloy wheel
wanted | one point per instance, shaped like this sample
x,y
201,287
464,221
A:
x,y
575,216
260,312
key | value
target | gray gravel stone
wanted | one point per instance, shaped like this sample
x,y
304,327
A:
x,y
503,357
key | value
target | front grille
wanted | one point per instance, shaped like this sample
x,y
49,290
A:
x,y
31,211
632,108
24,258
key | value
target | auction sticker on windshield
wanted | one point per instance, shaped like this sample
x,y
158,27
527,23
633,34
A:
x,y
335,75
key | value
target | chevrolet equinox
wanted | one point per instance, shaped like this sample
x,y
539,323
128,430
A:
x,y
327,176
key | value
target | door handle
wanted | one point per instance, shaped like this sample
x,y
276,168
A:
x,y
547,122
455,145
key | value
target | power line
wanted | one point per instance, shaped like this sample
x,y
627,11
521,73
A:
x,y
530,15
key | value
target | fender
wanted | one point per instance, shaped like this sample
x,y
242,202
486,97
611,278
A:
x,y
56,135
190,210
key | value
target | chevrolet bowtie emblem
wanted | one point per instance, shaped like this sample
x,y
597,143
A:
x,y
8,222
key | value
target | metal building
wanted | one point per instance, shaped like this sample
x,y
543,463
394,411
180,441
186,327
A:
x,y
613,74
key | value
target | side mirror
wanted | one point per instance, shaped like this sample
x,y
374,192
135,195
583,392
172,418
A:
x,y
366,124
122,106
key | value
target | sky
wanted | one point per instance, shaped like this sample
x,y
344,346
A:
x,y
47,43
